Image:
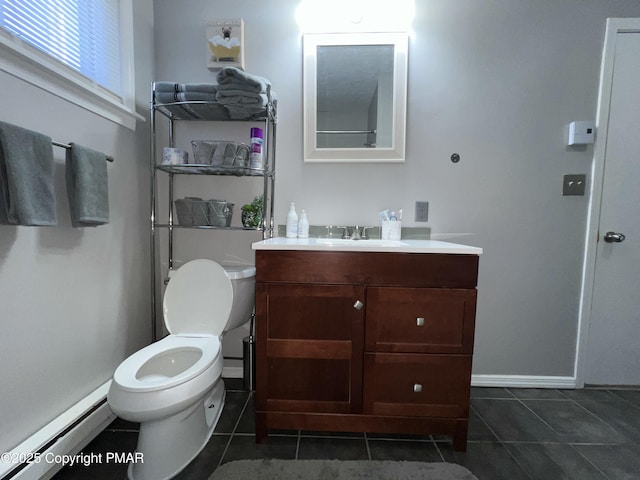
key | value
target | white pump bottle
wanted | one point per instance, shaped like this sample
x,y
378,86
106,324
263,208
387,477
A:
x,y
292,222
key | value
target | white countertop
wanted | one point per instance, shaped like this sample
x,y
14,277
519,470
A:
x,y
339,245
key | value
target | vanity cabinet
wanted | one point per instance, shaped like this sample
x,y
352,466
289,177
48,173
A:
x,y
364,341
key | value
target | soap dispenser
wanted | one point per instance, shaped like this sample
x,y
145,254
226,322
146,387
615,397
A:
x,y
303,226
292,222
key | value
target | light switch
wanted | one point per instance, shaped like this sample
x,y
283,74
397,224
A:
x,y
574,184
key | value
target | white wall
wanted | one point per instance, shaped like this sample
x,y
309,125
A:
x,y
495,81
75,302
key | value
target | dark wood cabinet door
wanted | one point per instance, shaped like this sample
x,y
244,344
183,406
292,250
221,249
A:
x,y
309,347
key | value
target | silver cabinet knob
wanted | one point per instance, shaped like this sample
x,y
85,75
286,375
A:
x,y
613,237
417,388
420,321
358,305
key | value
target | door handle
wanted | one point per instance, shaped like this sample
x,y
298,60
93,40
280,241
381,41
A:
x,y
358,305
613,237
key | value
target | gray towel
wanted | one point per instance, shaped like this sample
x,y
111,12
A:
x,y
87,186
26,177
246,81
170,97
242,97
186,87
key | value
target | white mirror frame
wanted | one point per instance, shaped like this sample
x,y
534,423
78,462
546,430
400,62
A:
x,y
395,153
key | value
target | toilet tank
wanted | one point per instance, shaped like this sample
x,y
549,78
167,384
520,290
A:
x,y
243,281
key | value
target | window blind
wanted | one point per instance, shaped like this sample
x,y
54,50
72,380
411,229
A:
x,y
83,34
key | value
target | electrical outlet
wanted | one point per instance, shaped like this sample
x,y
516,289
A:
x,y
422,211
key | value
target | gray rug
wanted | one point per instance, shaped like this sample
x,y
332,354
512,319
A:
x,y
339,470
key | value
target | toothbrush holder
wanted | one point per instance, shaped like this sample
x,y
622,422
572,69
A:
x,y
391,230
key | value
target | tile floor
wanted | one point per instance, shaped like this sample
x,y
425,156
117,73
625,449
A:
x,y
532,434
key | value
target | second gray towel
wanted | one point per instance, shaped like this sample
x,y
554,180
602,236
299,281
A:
x,y
26,177
87,186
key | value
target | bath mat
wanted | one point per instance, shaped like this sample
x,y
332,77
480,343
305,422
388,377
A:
x,y
339,470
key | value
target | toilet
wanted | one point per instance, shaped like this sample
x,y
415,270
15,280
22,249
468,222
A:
x,y
173,387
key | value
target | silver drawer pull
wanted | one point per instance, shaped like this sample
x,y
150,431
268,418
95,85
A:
x,y
420,321
417,388
358,305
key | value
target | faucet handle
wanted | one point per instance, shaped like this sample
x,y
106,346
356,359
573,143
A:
x,y
364,235
345,231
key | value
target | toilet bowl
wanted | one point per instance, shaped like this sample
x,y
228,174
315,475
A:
x,y
173,387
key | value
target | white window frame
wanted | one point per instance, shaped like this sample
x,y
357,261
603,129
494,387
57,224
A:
x,y
22,60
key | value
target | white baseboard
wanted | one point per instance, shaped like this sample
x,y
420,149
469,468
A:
x,y
522,381
233,372
66,435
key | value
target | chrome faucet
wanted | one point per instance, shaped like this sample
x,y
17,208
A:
x,y
355,233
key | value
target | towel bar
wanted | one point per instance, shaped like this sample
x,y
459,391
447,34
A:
x,y
67,146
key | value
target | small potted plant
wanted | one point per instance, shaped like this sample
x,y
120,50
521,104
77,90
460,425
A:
x,y
252,213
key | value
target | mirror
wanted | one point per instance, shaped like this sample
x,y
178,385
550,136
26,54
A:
x,y
355,95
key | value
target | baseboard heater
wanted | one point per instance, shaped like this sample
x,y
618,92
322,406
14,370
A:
x,y
37,458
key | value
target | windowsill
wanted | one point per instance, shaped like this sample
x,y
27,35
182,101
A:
x,y
28,64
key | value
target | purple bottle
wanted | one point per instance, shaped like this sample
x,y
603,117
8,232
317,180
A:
x,y
256,160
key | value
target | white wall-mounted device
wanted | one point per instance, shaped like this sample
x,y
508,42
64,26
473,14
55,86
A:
x,y
581,133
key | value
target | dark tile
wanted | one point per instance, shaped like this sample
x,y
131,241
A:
x,y
632,396
122,425
621,415
478,430
490,392
97,466
207,460
324,433
546,461
397,436
233,405
404,450
619,462
573,423
244,447
510,420
332,448
234,384
486,460
537,393
247,423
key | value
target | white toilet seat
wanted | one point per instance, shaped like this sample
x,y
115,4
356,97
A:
x,y
127,375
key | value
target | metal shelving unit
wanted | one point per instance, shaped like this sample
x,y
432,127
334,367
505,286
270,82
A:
x,y
204,111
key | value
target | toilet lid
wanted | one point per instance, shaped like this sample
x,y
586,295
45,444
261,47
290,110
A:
x,y
198,299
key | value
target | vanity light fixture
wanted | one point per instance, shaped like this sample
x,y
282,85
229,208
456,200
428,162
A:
x,y
350,16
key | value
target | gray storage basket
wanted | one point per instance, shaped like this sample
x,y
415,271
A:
x,y
192,211
219,213
221,153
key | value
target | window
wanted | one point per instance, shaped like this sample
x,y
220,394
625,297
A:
x,y
86,44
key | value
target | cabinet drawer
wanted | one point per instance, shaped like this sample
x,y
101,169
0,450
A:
x,y
420,320
416,385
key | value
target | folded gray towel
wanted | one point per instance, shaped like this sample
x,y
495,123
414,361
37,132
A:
x,y
233,75
186,87
87,186
26,177
245,112
170,97
241,97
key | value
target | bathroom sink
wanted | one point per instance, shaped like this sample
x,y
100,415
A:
x,y
342,242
